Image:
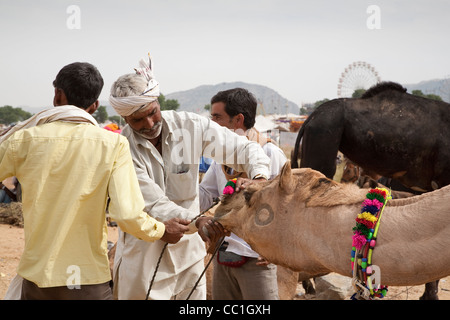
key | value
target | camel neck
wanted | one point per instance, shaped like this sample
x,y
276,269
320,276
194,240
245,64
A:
x,y
412,236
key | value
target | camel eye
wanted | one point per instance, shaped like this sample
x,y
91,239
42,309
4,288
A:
x,y
247,196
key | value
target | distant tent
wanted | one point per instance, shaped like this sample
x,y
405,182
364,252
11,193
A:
x,y
269,123
263,124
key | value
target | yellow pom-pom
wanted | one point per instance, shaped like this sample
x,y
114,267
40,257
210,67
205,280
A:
x,y
367,216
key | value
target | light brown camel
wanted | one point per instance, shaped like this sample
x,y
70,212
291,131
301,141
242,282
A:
x,y
303,220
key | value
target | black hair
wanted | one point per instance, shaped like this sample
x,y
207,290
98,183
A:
x,y
81,82
238,100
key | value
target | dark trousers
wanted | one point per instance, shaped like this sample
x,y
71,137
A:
x,y
31,291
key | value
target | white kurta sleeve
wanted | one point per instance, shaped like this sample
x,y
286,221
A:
x,y
237,152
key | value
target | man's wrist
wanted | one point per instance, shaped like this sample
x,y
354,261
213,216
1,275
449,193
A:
x,y
259,176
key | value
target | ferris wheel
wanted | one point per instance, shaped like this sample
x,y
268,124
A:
x,y
358,75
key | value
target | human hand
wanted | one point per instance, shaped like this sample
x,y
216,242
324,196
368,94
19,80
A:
x,y
242,183
209,230
175,229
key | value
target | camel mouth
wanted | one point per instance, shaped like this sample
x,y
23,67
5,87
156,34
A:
x,y
222,207
220,214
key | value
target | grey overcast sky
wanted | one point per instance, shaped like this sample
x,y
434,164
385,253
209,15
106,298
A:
x,y
298,48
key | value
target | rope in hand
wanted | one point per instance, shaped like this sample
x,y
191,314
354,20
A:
x,y
218,245
156,269
215,202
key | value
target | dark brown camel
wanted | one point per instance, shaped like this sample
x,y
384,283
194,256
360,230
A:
x,y
386,132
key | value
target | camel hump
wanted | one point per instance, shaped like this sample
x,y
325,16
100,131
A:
x,y
382,86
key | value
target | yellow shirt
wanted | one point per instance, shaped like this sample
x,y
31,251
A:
x,y
67,171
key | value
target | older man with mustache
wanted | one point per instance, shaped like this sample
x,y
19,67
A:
x,y
166,147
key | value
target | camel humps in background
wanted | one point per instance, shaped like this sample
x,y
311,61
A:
x,y
303,220
387,132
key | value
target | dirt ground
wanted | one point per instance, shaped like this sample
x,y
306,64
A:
x,y
11,247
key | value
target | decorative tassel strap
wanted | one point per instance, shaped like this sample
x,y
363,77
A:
x,y
364,241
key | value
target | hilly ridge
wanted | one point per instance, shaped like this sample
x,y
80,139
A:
x,y
195,99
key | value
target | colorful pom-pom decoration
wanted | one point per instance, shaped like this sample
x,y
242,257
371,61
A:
x,y
228,190
230,187
364,240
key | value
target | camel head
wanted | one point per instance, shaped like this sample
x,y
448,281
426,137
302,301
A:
x,y
268,214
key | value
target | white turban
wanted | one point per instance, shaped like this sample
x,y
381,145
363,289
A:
x,y
126,106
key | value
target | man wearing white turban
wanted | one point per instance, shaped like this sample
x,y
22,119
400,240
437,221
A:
x,y
166,148
130,103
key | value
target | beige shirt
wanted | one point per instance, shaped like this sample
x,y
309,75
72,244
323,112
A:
x,y
169,184
67,170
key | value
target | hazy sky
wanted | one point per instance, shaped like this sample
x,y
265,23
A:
x,y
298,48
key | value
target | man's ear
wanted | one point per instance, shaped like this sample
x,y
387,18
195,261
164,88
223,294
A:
x,y
60,98
92,108
239,120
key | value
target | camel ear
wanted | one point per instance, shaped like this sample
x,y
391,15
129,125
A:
x,y
287,183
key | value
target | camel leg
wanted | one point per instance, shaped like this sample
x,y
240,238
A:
x,y
319,150
308,286
431,291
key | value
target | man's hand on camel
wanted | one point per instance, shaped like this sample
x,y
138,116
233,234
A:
x,y
175,229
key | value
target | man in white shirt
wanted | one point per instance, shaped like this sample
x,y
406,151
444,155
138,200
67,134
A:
x,y
166,148
239,272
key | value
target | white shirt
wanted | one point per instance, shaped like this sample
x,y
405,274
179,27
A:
x,y
169,184
212,186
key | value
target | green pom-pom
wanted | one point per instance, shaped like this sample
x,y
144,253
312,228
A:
x,y
362,228
231,183
377,196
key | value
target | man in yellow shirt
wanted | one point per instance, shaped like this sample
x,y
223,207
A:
x,y
68,167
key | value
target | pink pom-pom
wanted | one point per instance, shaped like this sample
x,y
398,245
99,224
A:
x,y
374,202
228,190
372,243
359,240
